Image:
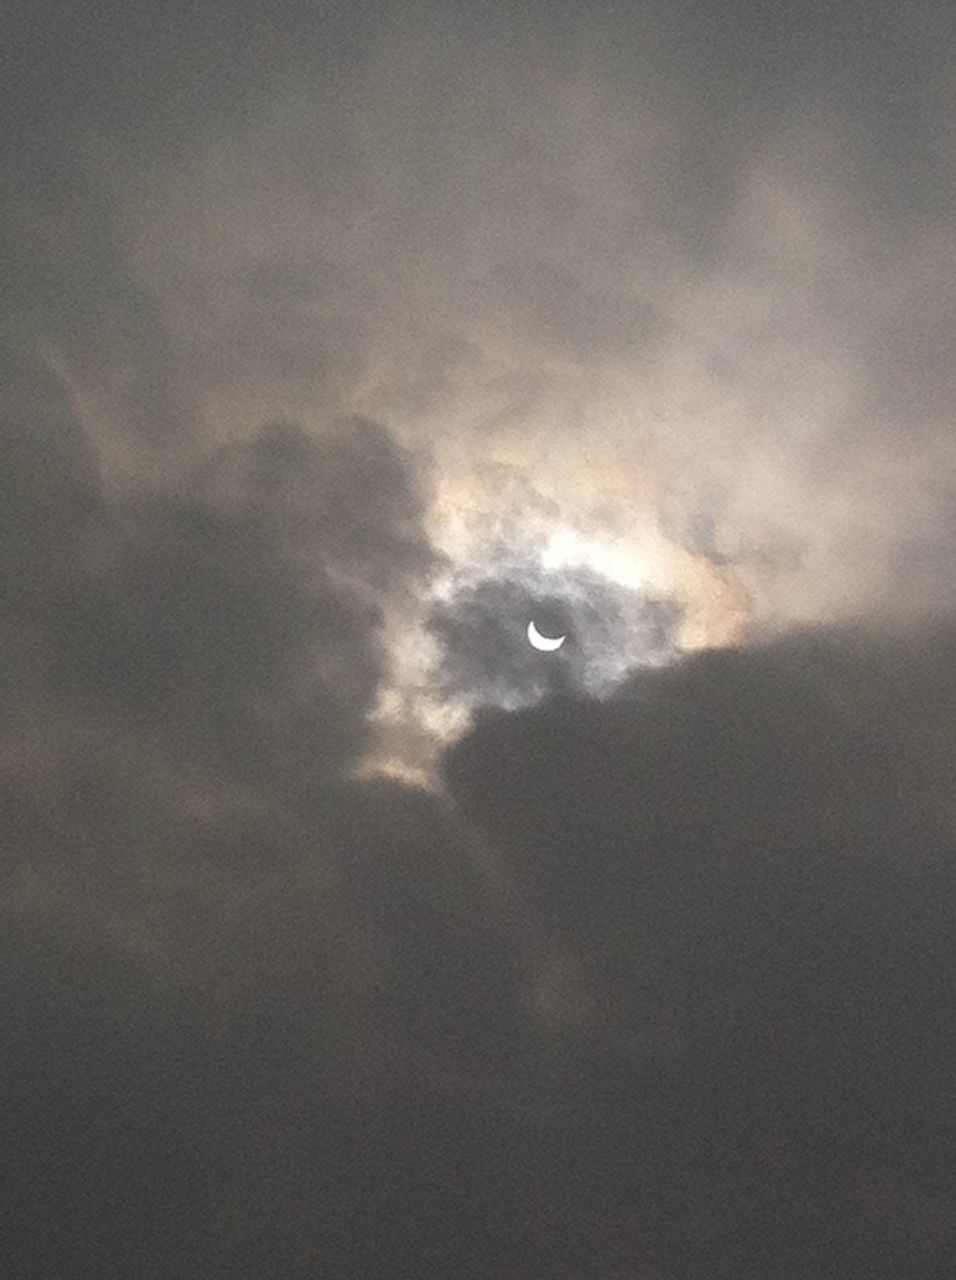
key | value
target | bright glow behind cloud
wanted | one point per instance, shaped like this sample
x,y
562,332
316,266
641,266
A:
x,y
567,548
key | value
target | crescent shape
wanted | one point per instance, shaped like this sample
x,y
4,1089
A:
x,y
546,643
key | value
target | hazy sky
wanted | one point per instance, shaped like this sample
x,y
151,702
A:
x,y
344,933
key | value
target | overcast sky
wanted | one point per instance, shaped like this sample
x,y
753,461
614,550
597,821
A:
x,y
344,934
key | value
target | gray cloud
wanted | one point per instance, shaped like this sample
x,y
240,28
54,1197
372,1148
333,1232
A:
x,y
658,978
725,950
485,653
746,861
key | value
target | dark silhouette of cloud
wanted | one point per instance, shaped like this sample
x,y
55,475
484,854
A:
x,y
748,861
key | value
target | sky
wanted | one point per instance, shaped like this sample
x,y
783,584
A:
x,y
344,933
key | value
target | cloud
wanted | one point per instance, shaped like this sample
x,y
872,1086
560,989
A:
x,y
482,626
350,491
657,979
746,862
638,986
696,931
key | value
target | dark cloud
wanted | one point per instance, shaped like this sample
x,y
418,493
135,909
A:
x,y
201,914
747,859
350,494
666,978
657,979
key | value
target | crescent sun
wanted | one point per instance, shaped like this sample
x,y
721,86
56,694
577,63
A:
x,y
545,643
